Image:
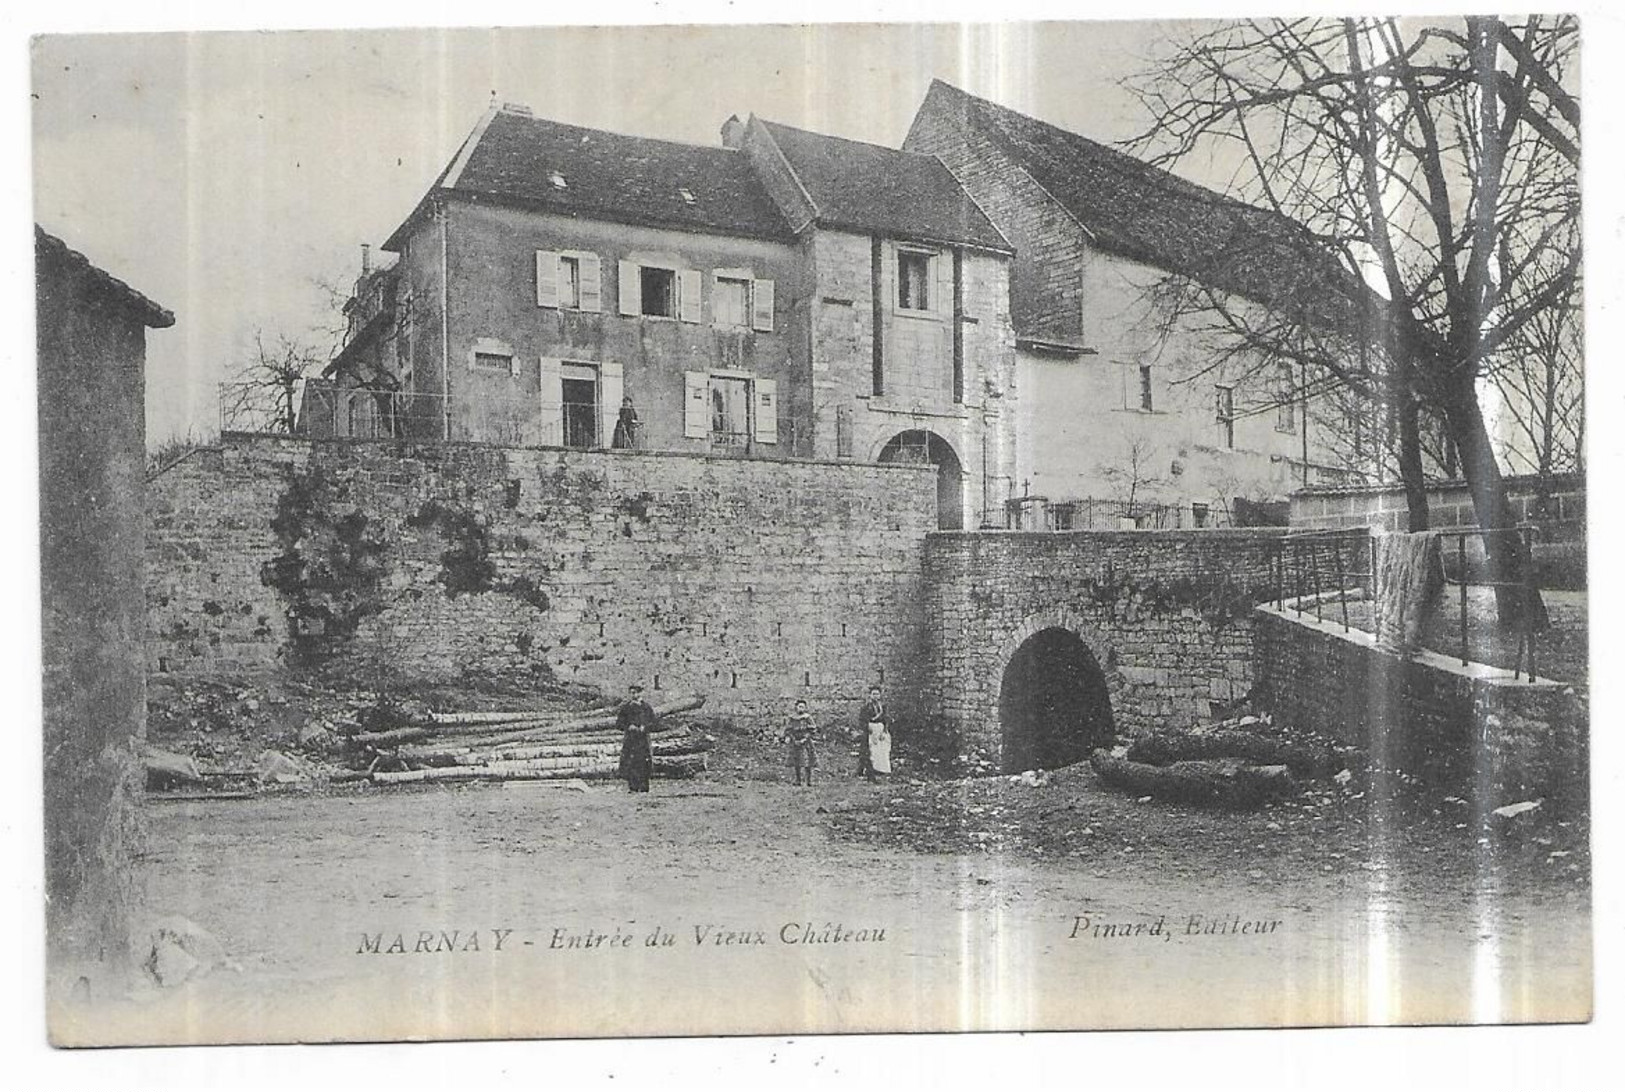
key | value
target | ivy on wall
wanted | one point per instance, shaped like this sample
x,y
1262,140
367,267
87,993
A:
x,y
331,569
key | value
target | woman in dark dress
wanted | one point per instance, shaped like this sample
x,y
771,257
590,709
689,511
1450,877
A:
x,y
637,758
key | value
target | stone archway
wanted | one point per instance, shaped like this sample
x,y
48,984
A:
x,y
921,447
1054,700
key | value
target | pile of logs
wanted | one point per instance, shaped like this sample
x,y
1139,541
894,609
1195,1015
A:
x,y
523,745
1230,765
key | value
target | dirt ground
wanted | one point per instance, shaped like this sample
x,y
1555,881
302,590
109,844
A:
x,y
975,904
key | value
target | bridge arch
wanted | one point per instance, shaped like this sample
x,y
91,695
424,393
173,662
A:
x,y
1054,694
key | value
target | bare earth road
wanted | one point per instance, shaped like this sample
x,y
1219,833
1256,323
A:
x,y
470,913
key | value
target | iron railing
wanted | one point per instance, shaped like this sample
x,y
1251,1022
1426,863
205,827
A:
x,y
1314,568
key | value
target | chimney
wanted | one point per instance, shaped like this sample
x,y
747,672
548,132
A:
x,y
733,132
366,258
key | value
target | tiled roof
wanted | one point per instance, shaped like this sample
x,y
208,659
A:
x,y
1143,212
150,313
601,175
883,190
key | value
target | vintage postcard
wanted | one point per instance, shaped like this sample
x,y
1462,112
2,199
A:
x,y
700,530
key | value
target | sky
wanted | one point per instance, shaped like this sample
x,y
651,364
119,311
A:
x,y
226,175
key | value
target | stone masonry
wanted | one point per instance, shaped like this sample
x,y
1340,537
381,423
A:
x,y
752,581
1165,613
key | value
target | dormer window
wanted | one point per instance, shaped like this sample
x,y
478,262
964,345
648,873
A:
x,y
558,180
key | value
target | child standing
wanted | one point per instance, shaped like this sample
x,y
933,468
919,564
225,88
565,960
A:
x,y
801,735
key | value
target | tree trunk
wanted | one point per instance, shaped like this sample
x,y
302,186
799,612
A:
x,y
1504,555
1410,462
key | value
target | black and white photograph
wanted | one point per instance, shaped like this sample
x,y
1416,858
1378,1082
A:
x,y
779,530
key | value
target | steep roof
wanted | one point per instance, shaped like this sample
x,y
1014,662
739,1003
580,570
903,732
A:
x,y
1148,214
884,191
150,313
513,156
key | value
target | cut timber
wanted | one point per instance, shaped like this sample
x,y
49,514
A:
x,y
457,723
394,737
1164,748
461,747
542,770
1216,783
590,724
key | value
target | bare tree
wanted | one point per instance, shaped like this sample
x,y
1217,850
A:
x,y
264,394
1133,472
1540,378
1435,163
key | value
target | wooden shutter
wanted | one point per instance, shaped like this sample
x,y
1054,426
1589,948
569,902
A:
x,y
767,411
610,386
688,295
547,278
592,288
942,270
696,405
630,288
761,305
552,396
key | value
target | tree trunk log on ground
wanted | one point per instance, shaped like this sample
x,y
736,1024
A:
x,y
458,723
1164,748
544,770
1228,784
394,737
600,722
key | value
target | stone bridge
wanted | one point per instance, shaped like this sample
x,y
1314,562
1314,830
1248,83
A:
x,y
1041,646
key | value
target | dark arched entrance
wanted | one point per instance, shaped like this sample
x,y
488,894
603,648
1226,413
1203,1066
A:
x,y
921,447
1053,704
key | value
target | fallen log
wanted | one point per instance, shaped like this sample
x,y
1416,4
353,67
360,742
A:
x,y
392,737
432,751
542,770
660,747
592,724
450,723
1219,783
1165,748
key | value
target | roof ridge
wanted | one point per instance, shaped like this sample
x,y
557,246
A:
x,y
1127,164
617,133
848,140
155,314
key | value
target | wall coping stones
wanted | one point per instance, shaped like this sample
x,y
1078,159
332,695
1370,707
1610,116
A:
x,y
1472,672
412,445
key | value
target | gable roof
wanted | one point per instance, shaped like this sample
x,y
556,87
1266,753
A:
x,y
880,190
1147,214
514,157
151,314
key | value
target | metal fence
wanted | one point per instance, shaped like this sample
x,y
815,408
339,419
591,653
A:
x,y
1321,572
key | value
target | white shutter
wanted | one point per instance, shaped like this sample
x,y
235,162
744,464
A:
x,y
610,386
761,305
547,278
630,288
592,289
688,295
552,396
943,266
767,411
696,405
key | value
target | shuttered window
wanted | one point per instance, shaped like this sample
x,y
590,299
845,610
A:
x,y
569,280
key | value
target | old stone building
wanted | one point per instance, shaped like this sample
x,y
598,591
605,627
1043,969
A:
x,y
1119,405
552,271
786,294
91,337
912,349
